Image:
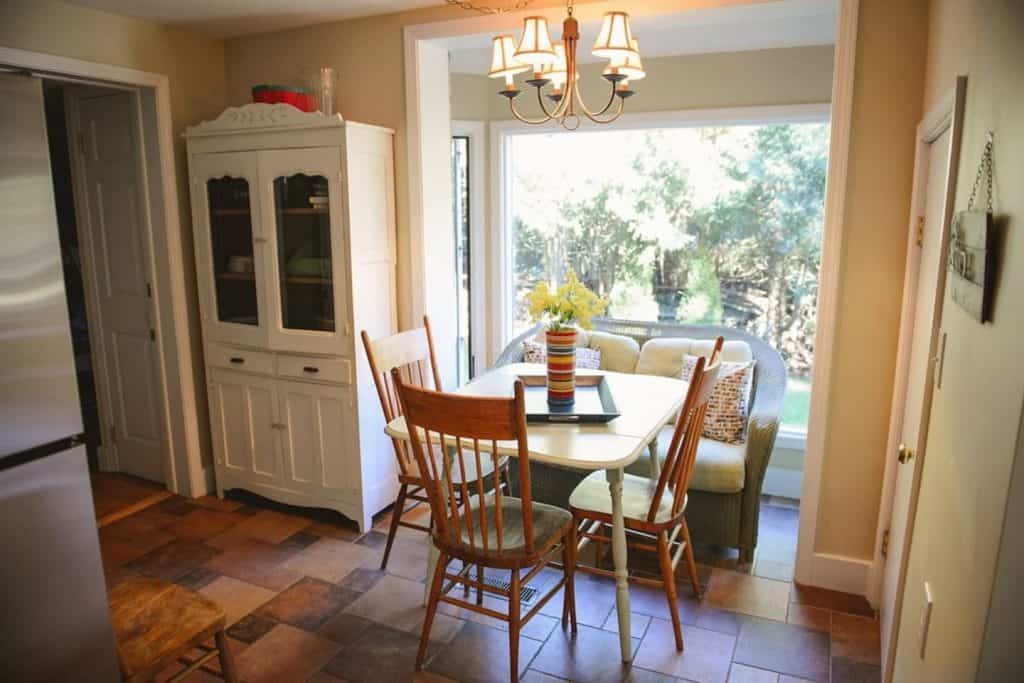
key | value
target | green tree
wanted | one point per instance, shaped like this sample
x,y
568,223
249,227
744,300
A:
x,y
602,242
765,236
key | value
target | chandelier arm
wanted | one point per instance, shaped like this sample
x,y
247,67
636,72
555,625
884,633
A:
x,y
590,114
543,108
618,112
524,119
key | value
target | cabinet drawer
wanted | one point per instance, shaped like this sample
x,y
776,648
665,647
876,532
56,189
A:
x,y
338,370
240,359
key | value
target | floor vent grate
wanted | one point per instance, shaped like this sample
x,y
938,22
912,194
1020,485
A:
x,y
526,593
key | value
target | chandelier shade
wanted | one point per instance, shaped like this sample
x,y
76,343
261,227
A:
x,y
615,39
628,65
535,48
503,59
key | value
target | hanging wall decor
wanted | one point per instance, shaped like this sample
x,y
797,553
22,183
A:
x,y
971,255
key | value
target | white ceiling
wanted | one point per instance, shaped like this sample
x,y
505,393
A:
x,y
759,26
228,18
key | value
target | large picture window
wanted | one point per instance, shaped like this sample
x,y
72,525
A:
x,y
715,224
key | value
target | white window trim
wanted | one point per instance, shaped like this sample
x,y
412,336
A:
x,y
792,439
501,132
476,131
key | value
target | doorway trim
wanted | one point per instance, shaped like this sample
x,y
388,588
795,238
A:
x,y
813,568
818,569
186,474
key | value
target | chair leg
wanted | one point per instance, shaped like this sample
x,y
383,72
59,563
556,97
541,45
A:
x,y
396,517
428,621
479,580
669,578
569,561
691,564
514,625
227,663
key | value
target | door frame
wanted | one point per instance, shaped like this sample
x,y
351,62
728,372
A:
x,y
109,459
813,568
948,114
180,412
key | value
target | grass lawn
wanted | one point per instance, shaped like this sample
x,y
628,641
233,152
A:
x,y
797,405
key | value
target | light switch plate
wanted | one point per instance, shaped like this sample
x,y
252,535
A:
x,y
926,619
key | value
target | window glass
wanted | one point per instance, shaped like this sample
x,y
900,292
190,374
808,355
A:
x,y
717,225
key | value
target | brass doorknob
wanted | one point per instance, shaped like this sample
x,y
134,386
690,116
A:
x,y
904,454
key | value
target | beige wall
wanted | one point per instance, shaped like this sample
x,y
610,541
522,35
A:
x,y
194,65
977,410
800,75
886,109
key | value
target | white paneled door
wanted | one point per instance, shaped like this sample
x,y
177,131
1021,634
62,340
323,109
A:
x,y
918,348
111,205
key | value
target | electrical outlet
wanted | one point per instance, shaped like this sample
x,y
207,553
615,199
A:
x,y
925,621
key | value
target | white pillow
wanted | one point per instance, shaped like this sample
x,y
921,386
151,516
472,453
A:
x,y
726,418
587,359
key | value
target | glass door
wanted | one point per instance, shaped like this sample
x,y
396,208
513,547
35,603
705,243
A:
x,y
230,248
303,200
460,215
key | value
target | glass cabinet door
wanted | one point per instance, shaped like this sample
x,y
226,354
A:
x,y
304,254
232,251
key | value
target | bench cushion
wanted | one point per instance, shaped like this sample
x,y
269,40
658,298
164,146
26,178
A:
x,y
664,355
720,467
618,352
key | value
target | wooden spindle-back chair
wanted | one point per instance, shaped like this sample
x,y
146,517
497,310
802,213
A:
x,y
489,530
655,509
411,353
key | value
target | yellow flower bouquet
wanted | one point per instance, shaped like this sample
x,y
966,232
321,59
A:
x,y
572,304
569,306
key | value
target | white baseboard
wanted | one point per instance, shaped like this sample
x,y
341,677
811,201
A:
x,y
837,572
783,481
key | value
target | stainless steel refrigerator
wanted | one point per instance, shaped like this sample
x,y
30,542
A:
x,y
53,616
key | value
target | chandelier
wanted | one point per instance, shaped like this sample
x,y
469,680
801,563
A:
x,y
554,64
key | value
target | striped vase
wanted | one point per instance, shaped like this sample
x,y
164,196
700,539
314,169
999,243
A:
x,y
561,367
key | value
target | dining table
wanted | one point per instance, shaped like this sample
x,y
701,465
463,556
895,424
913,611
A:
x,y
645,403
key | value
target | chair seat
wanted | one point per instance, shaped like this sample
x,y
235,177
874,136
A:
x,y
720,467
592,495
155,622
549,525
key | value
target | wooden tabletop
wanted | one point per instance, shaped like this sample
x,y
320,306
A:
x,y
645,402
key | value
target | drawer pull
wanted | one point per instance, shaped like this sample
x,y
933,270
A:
x,y
311,369
237,361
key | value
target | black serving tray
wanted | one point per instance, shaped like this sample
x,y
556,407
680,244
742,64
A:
x,y
594,403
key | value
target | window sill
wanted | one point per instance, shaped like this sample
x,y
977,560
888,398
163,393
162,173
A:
x,y
791,439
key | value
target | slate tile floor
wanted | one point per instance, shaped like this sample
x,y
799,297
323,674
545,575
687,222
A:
x,y
306,601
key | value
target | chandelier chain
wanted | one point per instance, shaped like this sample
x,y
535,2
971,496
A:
x,y
484,9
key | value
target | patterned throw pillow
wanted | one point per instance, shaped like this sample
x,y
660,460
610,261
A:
x,y
726,418
586,359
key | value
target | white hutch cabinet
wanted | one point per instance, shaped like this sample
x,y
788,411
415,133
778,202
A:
x,y
294,229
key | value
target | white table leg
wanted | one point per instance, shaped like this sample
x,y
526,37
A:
x,y
652,449
619,555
